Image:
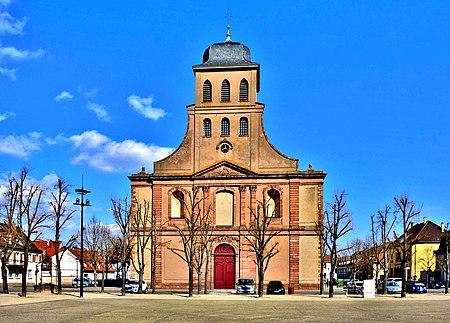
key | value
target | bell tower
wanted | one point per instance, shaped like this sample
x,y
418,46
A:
x,y
226,121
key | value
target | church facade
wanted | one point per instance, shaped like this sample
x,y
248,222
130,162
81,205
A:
x,y
226,155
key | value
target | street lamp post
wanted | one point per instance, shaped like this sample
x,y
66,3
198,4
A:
x,y
81,191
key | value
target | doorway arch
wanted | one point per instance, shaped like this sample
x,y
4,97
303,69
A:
x,y
224,267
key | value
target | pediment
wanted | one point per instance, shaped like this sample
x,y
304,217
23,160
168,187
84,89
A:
x,y
224,169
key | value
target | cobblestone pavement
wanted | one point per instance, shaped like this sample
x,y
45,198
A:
x,y
221,307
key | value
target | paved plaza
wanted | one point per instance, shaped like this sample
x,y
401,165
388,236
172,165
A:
x,y
221,307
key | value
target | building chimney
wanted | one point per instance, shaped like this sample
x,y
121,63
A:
x,y
442,227
425,219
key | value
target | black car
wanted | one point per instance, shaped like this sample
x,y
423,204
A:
x,y
275,287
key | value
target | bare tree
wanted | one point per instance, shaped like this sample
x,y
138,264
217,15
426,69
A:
x,y
105,246
444,261
406,210
92,241
189,233
427,261
8,229
357,257
141,225
323,237
60,214
155,244
201,257
122,241
381,230
31,218
337,223
260,236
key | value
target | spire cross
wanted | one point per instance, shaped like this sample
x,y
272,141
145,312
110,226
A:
x,y
228,16
228,36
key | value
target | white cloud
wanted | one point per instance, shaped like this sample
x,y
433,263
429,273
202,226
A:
x,y
8,24
89,140
11,73
6,115
64,95
58,139
19,55
100,111
12,26
101,153
20,146
144,107
88,94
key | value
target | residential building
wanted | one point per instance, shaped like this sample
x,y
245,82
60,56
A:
x,y
70,264
16,259
88,269
423,239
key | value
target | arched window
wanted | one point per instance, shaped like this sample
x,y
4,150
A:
x,y
225,127
225,93
243,127
224,208
177,205
243,90
207,90
206,127
273,203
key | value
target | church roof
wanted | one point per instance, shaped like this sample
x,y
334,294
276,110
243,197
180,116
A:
x,y
227,53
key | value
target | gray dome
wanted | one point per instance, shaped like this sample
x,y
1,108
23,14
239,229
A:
x,y
227,54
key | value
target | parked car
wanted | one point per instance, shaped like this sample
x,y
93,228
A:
x,y
245,286
397,280
392,287
413,286
439,283
432,283
110,282
86,282
355,287
132,286
275,287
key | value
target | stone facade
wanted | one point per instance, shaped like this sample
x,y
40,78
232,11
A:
x,y
227,155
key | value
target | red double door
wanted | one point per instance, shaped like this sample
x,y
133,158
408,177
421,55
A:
x,y
224,267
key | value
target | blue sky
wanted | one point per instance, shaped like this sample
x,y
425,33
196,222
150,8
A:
x,y
359,89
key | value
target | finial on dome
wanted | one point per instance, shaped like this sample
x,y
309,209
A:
x,y
228,37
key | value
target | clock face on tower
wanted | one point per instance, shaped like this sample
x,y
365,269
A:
x,y
225,147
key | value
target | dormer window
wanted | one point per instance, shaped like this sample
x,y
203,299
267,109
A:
x,y
225,92
243,90
225,127
207,90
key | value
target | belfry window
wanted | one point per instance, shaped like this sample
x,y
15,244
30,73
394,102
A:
x,y
207,90
243,127
273,203
225,92
225,127
243,90
206,127
177,205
